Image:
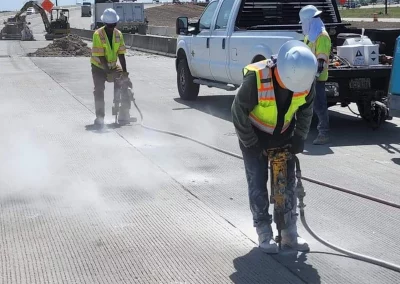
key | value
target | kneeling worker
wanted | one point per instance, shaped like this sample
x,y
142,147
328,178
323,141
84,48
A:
x,y
108,47
274,107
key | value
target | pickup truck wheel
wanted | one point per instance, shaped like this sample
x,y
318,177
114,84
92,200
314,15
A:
x,y
187,89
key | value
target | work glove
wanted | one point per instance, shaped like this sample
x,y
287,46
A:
x,y
110,76
297,144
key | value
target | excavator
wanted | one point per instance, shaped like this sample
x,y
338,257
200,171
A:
x,y
57,27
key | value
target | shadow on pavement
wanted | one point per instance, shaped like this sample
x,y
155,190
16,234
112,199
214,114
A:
x,y
297,263
346,130
253,268
396,161
98,129
218,106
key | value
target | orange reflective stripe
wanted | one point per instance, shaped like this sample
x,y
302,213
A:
x,y
296,95
261,125
102,36
97,50
266,99
278,78
264,86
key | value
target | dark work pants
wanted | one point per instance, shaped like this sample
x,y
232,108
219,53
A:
x,y
321,108
256,167
99,80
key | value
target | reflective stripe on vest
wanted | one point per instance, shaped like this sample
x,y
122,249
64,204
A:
x,y
111,54
264,116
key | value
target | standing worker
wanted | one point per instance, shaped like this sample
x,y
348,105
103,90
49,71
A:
x,y
108,47
317,38
273,108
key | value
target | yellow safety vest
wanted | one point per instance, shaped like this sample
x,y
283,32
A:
x,y
265,114
101,47
321,48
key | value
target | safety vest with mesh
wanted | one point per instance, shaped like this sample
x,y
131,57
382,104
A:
x,y
102,47
265,114
321,48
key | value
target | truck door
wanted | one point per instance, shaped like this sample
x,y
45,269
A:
x,y
219,49
200,44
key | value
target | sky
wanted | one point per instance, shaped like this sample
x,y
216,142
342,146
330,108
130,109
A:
x,y
13,5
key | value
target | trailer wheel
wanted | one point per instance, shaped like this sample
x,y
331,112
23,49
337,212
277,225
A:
x,y
187,89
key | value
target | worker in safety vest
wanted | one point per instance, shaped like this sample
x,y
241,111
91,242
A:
x,y
317,38
273,108
108,47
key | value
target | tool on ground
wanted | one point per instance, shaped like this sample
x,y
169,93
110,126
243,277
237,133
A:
x,y
278,158
123,96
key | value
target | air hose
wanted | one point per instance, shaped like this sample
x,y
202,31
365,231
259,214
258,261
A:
x,y
301,196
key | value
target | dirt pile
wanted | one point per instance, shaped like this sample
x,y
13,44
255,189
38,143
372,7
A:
x,y
165,15
68,46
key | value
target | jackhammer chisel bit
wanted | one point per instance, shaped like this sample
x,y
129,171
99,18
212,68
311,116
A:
x,y
278,158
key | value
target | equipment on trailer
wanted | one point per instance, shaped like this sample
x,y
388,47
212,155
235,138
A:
x,y
16,28
59,25
56,28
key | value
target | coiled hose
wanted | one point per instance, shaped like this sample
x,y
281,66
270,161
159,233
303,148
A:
x,y
351,254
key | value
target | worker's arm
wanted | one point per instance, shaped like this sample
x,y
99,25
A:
x,y
304,115
245,101
121,54
122,61
322,52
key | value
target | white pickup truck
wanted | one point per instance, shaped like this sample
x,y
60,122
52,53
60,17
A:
x,y
233,33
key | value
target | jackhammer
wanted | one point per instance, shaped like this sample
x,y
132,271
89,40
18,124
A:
x,y
123,96
283,204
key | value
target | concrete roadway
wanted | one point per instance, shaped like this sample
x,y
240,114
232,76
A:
x,y
129,205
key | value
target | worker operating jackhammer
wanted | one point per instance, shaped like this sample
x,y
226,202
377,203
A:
x,y
273,108
108,47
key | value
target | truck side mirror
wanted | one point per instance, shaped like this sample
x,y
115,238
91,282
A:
x,y
182,25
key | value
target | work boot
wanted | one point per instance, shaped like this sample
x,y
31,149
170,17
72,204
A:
x,y
99,121
291,240
321,139
266,239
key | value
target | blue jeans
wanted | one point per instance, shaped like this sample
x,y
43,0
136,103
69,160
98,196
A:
x,y
256,167
321,108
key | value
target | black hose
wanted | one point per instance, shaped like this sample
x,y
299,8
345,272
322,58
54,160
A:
x,y
301,196
311,180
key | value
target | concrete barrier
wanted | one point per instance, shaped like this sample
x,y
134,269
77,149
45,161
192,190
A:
x,y
161,31
147,43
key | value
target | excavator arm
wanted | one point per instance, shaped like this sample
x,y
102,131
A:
x,y
39,8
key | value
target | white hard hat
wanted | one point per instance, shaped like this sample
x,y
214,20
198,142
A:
x,y
110,16
308,12
297,66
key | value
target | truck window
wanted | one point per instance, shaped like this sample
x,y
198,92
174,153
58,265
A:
x,y
223,14
271,12
206,18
